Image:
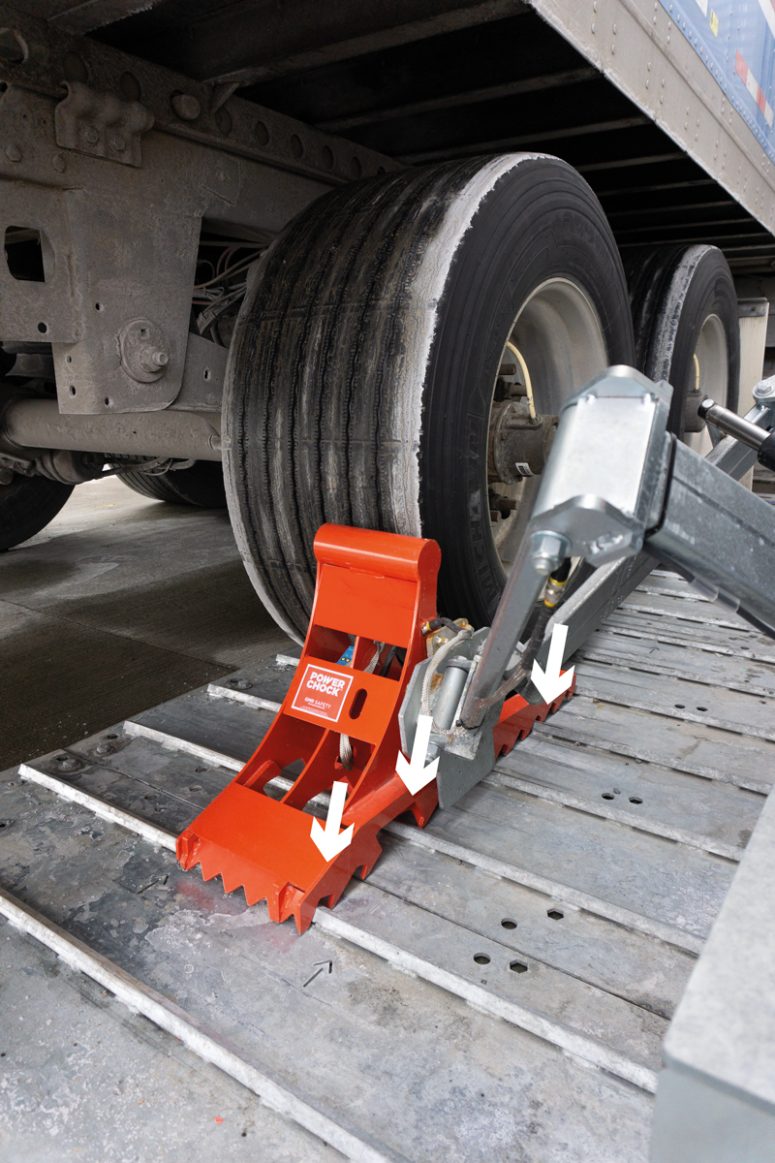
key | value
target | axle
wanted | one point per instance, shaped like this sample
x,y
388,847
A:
x,y
763,443
28,426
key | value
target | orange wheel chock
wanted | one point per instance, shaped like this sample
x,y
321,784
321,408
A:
x,y
374,593
518,717
376,589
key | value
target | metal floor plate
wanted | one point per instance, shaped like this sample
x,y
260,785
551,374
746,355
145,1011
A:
x,y
500,986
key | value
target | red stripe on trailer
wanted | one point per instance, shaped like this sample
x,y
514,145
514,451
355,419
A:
x,y
754,88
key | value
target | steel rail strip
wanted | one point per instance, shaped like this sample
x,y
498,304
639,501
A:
x,y
198,750
581,1046
420,837
507,779
666,661
216,691
168,1016
666,750
650,827
650,629
677,609
632,689
554,890
158,837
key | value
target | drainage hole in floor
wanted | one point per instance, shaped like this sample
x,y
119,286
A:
x,y
481,959
518,966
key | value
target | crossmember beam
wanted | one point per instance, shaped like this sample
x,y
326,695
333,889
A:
x,y
114,166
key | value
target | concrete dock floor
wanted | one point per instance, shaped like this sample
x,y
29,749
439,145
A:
x,y
120,603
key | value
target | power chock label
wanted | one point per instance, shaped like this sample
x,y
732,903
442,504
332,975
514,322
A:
x,y
322,692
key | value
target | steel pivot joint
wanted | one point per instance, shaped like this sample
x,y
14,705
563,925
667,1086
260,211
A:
x,y
602,489
608,468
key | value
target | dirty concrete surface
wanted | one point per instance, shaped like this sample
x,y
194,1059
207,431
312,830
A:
x,y
120,603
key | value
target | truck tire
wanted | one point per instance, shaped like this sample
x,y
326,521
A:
x,y
27,504
200,485
684,309
375,331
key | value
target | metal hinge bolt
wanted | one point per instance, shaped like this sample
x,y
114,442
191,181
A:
x,y
547,550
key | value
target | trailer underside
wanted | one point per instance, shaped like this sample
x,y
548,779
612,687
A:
x,y
499,987
426,81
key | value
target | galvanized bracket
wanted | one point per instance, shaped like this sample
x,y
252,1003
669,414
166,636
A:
x,y
586,609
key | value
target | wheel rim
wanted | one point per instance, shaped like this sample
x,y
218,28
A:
x,y
709,375
555,346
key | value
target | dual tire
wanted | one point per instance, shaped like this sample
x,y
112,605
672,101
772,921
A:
x,y
684,308
363,375
27,504
200,485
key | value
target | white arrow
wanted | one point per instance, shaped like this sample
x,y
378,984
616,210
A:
x,y
415,774
330,840
550,683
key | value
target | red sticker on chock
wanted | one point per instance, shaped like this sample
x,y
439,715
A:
x,y
322,692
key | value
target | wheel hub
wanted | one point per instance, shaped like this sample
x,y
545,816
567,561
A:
x,y
708,379
556,345
518,442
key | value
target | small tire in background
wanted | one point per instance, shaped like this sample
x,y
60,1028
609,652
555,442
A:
x,y
200,485
27,505
392,341
684,310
